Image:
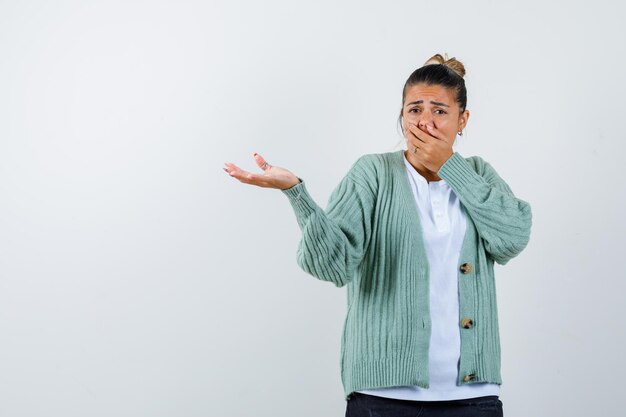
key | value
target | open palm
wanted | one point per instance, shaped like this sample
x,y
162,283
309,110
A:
x,y
272,176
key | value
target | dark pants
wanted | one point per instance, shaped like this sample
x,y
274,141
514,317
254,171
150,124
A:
x,y
363,405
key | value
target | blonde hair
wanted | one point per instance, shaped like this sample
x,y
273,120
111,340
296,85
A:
x,y
452,63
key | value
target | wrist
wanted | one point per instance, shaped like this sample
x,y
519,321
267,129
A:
x,y
292,184
445,160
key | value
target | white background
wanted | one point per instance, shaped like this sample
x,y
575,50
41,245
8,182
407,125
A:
x,y
138,279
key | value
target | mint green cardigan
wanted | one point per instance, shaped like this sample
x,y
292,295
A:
x,y
369,239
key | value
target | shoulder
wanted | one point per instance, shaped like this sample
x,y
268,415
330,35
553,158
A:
x,y
377,161
369,169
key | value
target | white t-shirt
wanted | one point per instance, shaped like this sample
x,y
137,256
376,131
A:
x,y
443,226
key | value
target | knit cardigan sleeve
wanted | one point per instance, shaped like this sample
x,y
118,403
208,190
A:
x,y
502,220
334,240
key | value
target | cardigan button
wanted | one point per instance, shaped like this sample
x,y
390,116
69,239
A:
x,y
467,323
466,268
469,377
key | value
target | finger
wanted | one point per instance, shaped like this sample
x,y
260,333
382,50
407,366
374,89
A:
x,y
261,162
238,173
418,141
434,133
417,133
414,143
413,146
227,166
233,170
426,132
249,177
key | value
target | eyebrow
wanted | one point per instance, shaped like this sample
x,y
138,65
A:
x,y
436,103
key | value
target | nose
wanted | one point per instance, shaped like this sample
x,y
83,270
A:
x,y
425,120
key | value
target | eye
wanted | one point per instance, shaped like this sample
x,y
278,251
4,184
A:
x,y
440,110
416,109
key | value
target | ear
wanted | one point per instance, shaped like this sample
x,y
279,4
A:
x,y
463,118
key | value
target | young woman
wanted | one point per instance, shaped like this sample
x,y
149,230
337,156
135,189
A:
x,y
413,235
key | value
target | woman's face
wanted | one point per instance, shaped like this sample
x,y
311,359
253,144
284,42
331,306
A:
x,y
433,105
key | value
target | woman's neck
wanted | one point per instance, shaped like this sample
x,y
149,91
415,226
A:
x,y
421,169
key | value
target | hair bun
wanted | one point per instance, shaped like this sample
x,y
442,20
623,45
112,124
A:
x,y
451,63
